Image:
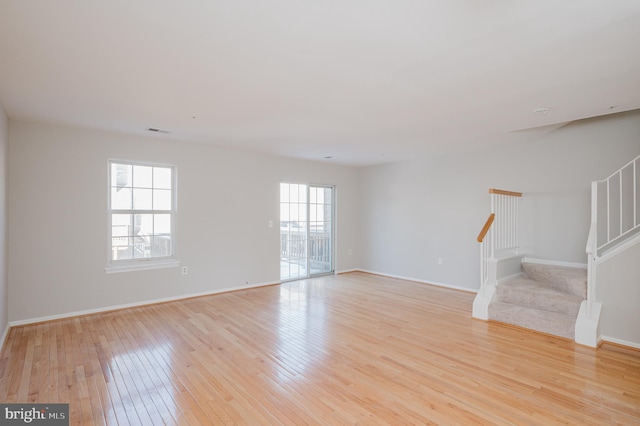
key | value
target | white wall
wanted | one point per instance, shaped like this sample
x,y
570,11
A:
x,y
58,218
619,292
418,211
397,218
4,287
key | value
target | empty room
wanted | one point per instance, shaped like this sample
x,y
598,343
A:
x,y
285,212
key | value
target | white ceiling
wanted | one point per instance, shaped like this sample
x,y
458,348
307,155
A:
x,y
364,81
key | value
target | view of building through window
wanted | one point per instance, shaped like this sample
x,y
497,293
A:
x,y
141,211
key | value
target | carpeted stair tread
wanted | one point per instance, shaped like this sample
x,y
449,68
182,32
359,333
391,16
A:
x,y
534,294
555,323
545,298
565,279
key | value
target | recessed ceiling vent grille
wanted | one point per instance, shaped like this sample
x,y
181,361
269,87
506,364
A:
x,y
154,130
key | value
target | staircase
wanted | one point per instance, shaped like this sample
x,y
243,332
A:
x,y
554,299
538,296
545,298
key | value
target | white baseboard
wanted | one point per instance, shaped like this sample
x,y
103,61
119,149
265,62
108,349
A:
x,y
554,263
136,304
438,284
4,336
634,345
346,271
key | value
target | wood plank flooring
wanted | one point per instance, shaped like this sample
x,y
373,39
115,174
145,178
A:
x,y
348,349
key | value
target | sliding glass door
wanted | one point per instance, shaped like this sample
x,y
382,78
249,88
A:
x,y
320,230
306,230
294,230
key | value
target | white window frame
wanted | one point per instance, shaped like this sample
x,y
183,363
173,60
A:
x,y
151,262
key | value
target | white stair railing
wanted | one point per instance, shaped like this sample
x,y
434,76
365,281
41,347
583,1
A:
x,y
615,217
500,232
614,207
498,244
505,232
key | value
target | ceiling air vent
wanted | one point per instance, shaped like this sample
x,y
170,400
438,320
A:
x,y
154,130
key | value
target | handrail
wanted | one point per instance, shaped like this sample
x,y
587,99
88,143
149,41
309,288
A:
x,y
503,192
486,227
623,167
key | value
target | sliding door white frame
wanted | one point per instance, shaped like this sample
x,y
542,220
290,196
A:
x,y
307,236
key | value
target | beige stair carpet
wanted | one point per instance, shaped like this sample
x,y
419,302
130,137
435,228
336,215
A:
x,y
546,298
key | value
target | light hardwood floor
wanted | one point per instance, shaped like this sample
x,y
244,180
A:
x,y
347,349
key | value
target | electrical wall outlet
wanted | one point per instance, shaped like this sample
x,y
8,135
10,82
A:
x,y
185,270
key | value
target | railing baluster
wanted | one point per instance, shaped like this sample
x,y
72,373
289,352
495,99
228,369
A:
x,y
507,228
505,231
621,207
507,223
510,227
501,222
594,212
609,222
635,199
491,231
514,222
517,242
496,241
482,258
510,232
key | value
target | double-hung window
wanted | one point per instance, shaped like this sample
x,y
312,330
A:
x,y
142,211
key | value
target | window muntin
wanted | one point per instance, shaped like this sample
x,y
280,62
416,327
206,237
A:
x,y
141,213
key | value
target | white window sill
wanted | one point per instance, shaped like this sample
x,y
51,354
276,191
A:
x,y
141,265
